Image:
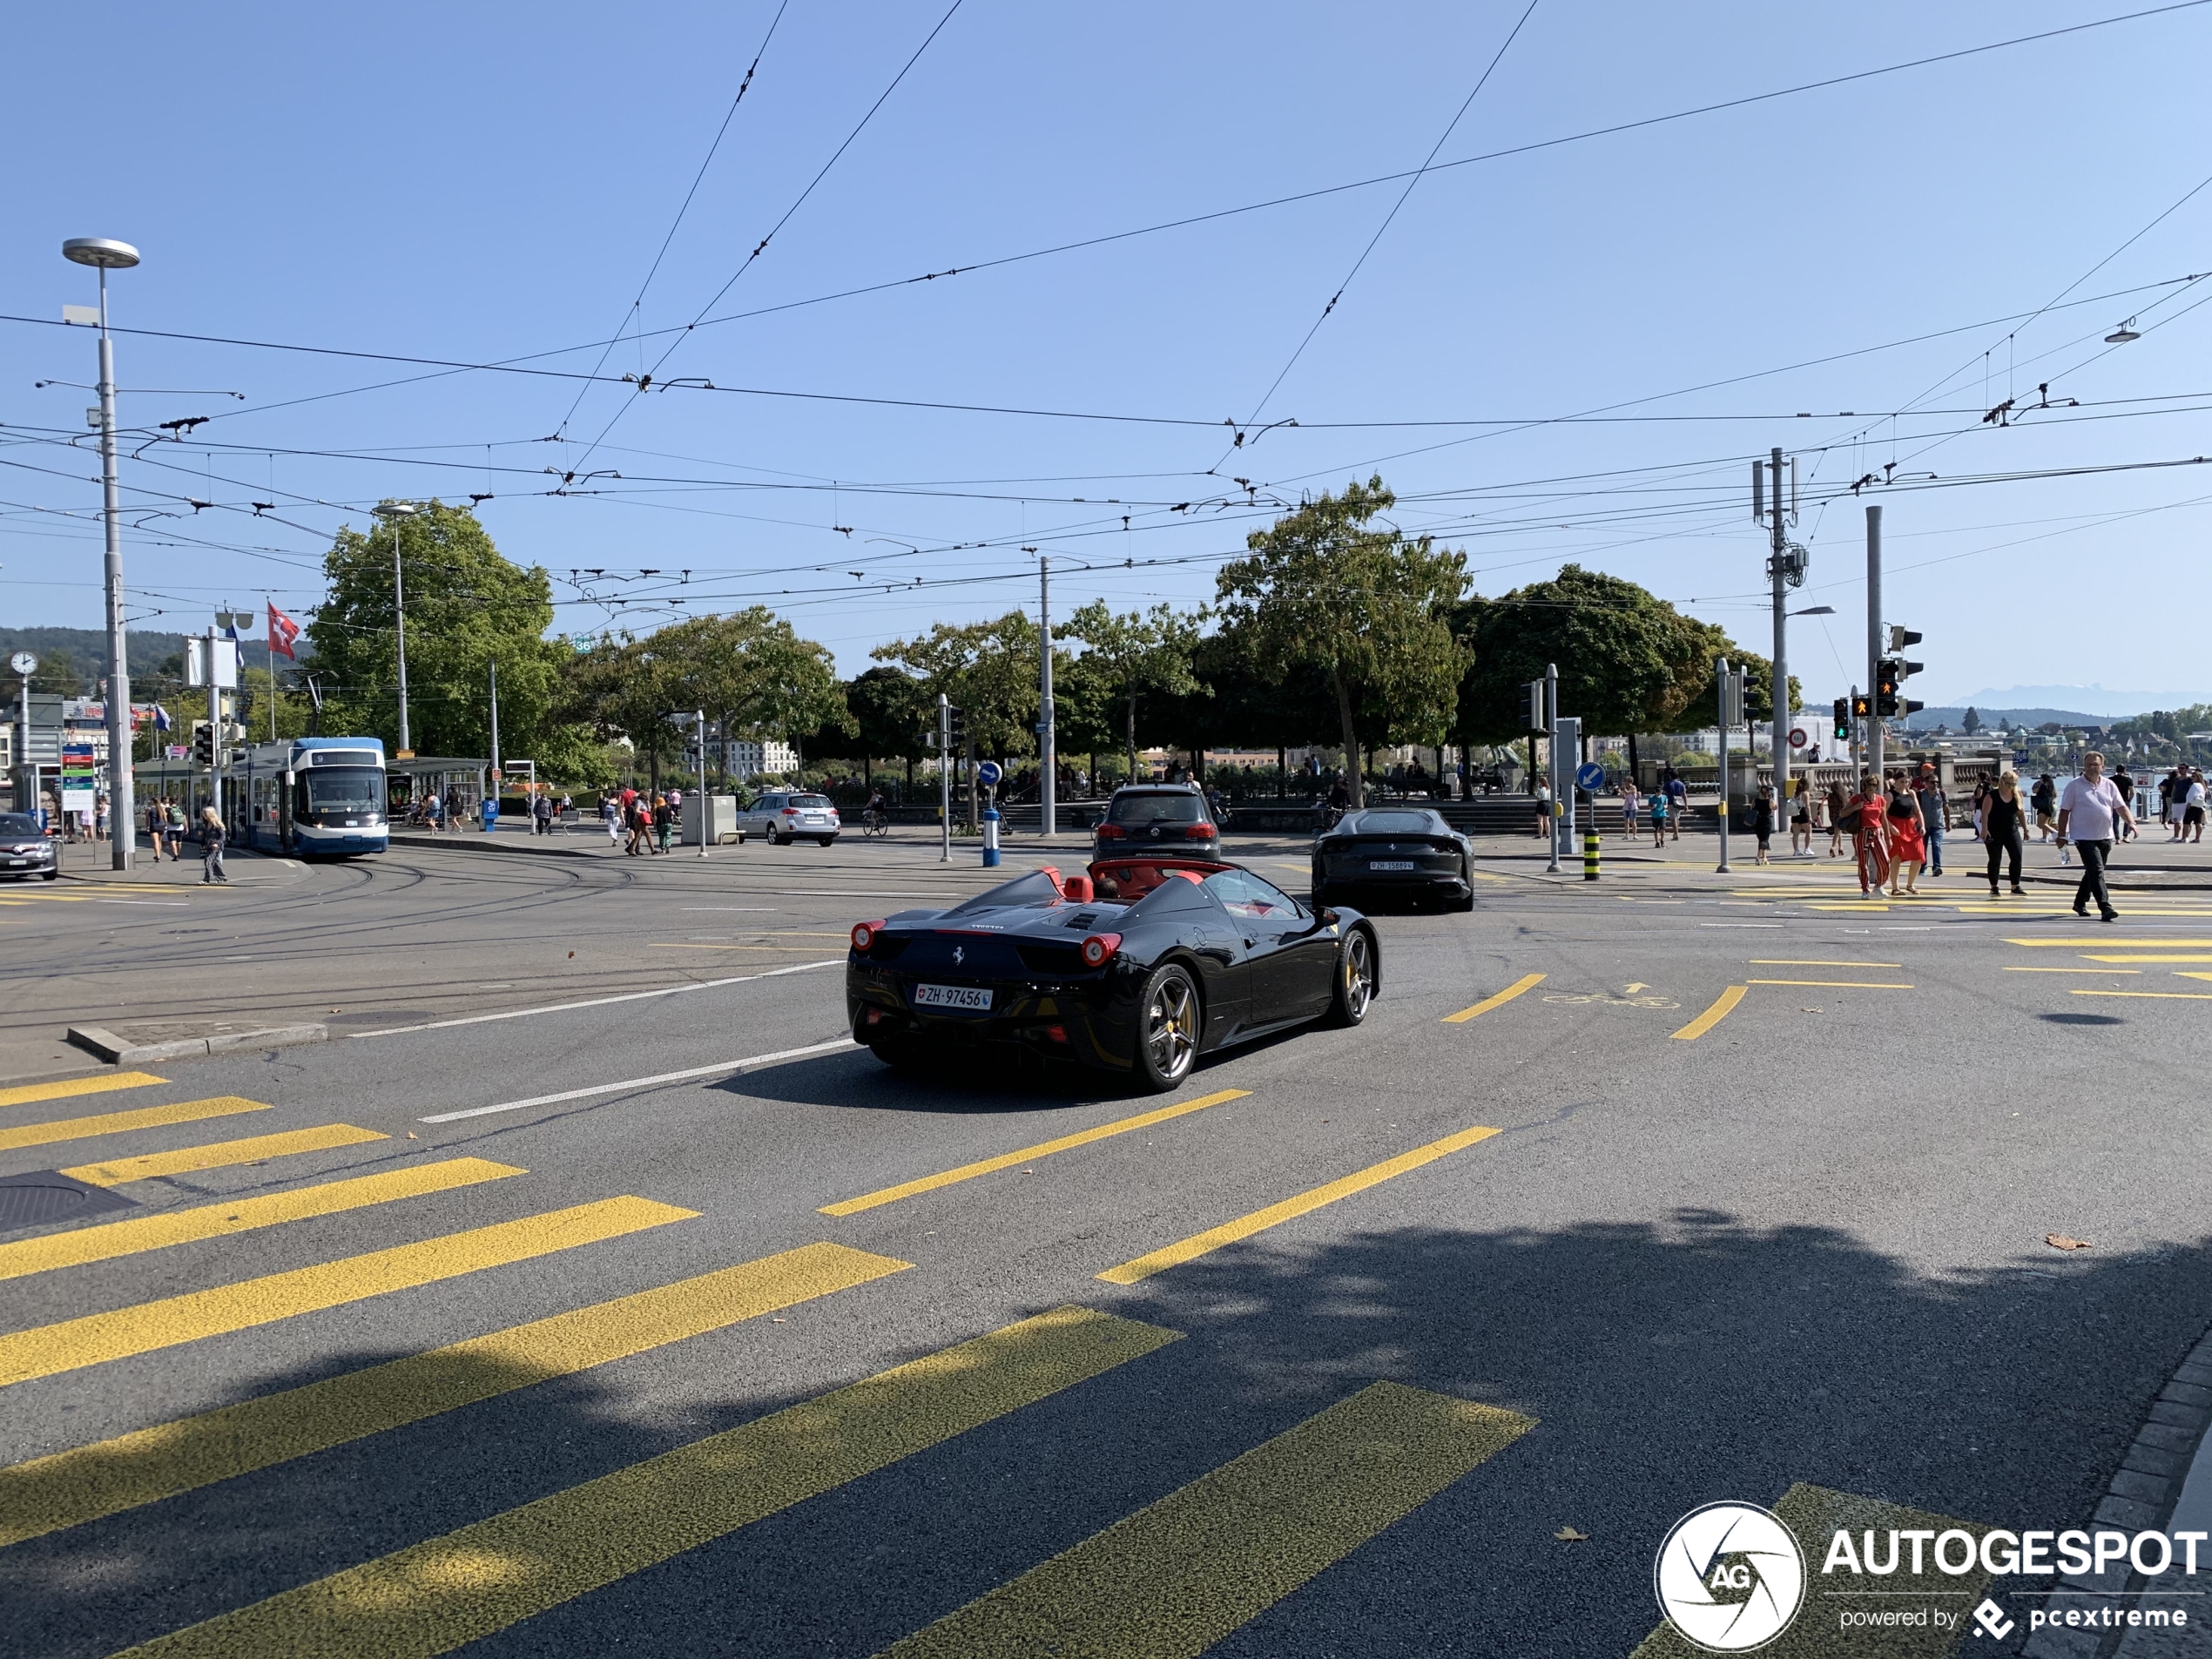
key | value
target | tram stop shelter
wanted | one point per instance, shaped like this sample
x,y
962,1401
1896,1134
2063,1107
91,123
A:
x,y
457,780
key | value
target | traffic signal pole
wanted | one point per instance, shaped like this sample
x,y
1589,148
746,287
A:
x,y
1778,710
945,777
1874,641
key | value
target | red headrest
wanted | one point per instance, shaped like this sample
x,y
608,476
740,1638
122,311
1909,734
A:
x,y
1075,890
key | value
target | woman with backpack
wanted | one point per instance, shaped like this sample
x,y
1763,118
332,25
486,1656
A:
x,y
1908,842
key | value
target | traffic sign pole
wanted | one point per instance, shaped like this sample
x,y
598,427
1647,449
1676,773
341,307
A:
x,y
989,774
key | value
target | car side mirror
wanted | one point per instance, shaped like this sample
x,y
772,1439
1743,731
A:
x,y
1329,918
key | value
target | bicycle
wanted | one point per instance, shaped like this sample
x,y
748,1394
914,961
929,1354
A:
x,y
875,823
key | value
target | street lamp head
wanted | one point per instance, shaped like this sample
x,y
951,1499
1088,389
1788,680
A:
x,y
396,509
1814,610
2122,334
100,251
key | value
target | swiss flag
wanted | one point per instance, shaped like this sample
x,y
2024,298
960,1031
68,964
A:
x,y
282,631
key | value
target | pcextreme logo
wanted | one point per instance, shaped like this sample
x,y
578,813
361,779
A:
x,y
1729,1577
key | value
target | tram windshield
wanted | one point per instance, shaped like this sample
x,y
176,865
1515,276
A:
x,y
344,789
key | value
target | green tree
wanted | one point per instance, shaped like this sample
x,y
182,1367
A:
x,y
1369,608
1972,723
467,608
1127,656
889,713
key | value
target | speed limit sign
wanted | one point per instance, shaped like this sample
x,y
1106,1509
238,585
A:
x,y
1797,736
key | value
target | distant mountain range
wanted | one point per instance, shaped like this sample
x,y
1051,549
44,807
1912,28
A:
x,y
2050,702
1955,716
79,655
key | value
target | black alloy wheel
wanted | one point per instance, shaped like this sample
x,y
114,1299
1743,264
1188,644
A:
x,y
1355,986
1171,1021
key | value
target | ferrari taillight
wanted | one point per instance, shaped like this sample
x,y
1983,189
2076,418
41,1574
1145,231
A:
x,y
1099,949
864,934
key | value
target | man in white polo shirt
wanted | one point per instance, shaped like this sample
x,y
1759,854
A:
x,y
2088,811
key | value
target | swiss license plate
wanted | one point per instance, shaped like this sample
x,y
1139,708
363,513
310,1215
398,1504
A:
x,y
1392,863
969,999
16,864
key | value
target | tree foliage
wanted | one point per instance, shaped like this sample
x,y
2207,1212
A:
x,y
1127,656
467,608
1369,608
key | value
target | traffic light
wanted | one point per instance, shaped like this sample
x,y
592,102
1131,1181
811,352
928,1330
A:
x,y
1862,707
1900,637
1532,709
1887,674
955,732
1843,720
203,743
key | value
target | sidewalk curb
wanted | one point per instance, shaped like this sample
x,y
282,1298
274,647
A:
x,y
2143,1494
99,1040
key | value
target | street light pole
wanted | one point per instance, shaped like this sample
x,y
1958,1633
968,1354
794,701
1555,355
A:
x,y
392,512
103,256
1047,748
1778,708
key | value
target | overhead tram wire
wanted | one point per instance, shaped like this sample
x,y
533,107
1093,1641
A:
x,y
1418,174
632,314
519,364
647,379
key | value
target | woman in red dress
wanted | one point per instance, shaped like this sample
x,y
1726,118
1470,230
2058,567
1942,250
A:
x,y
1870,834
1908,844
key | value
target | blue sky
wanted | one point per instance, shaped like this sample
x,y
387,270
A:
x,y
493,183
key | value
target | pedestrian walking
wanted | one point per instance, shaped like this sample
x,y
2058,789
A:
x,y
1838,808
1677,804
1801,802
156,821
2089,811
1543,810
1630,801
2193,807
2125,784
99,817
634,820
2004,829
1763,821
1935,810
542,813
211,848
664,821
1659,819
1864,817
611,815
2044,798
1908,841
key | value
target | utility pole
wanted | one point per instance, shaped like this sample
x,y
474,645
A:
x,y
1874,641
392,512
1778,710
945,777
1722,675
103,256
495,731
1551,744
1048,801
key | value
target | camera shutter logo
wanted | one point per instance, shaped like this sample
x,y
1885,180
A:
x,y
1729,1577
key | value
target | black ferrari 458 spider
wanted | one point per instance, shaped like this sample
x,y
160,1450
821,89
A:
x,y
1137,967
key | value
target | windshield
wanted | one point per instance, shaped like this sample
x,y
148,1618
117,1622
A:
x,y
1394,823
811,803
1154,809
19,824
1034,888
343,789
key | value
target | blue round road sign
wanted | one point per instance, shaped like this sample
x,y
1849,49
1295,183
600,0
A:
x,y
1589,775
989,774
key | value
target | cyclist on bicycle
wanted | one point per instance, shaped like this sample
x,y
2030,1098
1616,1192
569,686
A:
x,y
872,815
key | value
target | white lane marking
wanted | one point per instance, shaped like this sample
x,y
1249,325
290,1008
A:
x,y
1739,924
755,909
172,904
600,1001
647,1082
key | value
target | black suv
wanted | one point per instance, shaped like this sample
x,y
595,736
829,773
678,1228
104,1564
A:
x,y
1157,817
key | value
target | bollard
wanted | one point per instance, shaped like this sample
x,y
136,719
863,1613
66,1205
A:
x,y
1590,850
990,837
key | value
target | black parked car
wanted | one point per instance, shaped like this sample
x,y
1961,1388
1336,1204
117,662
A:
x,y
1407,850
26,850
1137,967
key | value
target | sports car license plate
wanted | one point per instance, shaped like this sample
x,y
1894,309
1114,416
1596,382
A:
x,y
969,999
1392,863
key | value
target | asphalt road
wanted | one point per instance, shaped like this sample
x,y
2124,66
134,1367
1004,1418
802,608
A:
x,y
1765,1209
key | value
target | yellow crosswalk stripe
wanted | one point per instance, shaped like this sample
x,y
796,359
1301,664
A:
x,y
2131,957
1043,1149
185,1226
221,1155
1839,984
2109,944
1276,1214
83,1484
2154,997
97,1337
1724,1005
433,1597
79,1128
1177,1577
1499,999
69,1087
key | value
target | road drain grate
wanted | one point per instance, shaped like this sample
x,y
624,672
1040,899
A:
x,y
37,1199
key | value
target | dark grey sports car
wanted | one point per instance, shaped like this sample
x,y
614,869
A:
x,y
1405,850
1138,966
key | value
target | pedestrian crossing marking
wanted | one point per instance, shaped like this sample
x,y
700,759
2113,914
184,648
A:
x,y
2013,969
71,1087
48,1350
1498,999
221,1154
434,1597
190,1226
1180,1575
79,1128
2111,944
2157,997
1290,1209
1839,984
1724,1005
70,1488
1044,1148
2087,957
1786,961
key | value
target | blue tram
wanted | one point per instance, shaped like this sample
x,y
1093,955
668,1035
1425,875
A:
x,y
308,798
